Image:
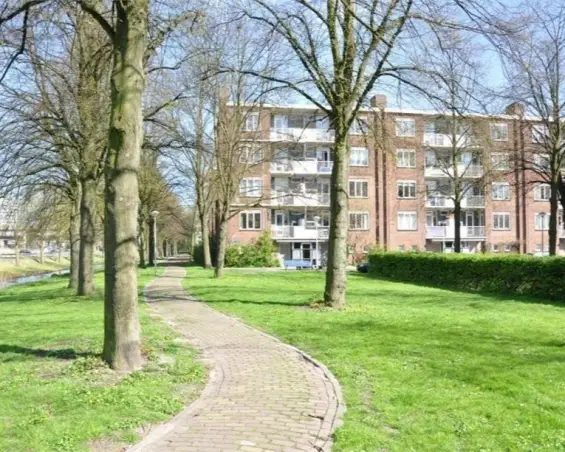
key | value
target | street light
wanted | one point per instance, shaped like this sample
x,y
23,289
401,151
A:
x,y
317,221
154,214
542,216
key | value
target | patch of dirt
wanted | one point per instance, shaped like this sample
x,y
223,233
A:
x,y
107,445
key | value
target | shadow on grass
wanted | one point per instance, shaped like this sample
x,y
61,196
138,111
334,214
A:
x,y
63,353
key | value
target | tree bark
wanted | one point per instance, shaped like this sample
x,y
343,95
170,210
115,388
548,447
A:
x,y
17,250
74,242
87,237
221,244
141,244
41,251
121,323
457,218
553,208
336,274
204,227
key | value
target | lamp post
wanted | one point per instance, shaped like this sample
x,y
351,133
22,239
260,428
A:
x,y
317,221
154,214
542,216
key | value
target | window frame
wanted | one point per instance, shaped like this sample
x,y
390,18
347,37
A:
x,y
507,161
545,226
254,213
406,213
248,193
404,184
365,215
494,126
253,114
504,184
412,156
248,151
539,187
504,228
357,128
357,183
358,148
405,120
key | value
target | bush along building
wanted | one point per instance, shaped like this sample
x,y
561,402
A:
x,y
413,176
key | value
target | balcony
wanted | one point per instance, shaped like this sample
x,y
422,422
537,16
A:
x,y
303,135
447,203
312,199
288,166
445,140
436,171
299,232
448,232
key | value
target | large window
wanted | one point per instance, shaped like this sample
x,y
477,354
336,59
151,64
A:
x,y
501,221
250,154
358,221
250,220
541,162
359,126
499,132
406,189
500,161
251,122
405,127
542,192
539,133
405,158
500,191
407,221
359,157
358,189
542,221
250,187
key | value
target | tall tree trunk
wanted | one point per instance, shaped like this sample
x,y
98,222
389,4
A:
x,y
553,208
41,251
121,322
141,244
204,227
152,244
336,274
221,245
87,237
74,242
17,249
457,218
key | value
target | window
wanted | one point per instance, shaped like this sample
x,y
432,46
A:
x,y
251,122
500,191
542,192
541,162
251,155
539,133
359,157
405,158
250,187
250,220
495,248
405,127
407,221
500,161
507,248
501,221
499,132
400,248
358,189
542,221
545,248
406,189
360,126
358,221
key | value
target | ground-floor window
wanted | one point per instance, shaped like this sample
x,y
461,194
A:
x,y
250,220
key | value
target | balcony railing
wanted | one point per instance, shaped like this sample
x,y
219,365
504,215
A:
x,y
447,201
302,135
444,139
436,201
316,198
299,232
448,232
301,167
446,170
474,201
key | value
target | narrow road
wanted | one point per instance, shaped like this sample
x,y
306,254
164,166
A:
x,y
262,395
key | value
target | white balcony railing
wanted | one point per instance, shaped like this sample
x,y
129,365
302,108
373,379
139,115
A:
x,y
448,232
473,201
444,140
301,167
436,170
312,199
299,232
302,135
447,202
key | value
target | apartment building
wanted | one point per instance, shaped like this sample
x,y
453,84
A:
x,y
401,167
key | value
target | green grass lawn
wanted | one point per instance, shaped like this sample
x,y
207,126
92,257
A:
x,y
55,394
421,368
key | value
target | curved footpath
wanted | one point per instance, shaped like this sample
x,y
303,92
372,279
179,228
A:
x,y
262,395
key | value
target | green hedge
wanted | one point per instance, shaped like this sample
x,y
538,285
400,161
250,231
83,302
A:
x,y
514,274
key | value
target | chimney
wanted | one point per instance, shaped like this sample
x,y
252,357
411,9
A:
x,y
378,101
514,109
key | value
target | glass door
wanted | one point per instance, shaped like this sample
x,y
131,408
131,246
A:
x,y
324,192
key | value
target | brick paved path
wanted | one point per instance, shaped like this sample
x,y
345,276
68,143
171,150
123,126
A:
x,y
262,395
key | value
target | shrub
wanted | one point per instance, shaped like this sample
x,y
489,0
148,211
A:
x,y
510,274
260,254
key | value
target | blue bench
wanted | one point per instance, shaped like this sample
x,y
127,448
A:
x,y
297,263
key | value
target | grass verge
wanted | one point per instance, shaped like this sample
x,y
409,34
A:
x,y
56,393
422,369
